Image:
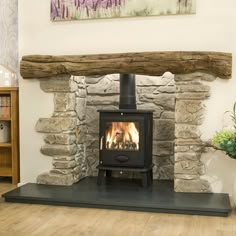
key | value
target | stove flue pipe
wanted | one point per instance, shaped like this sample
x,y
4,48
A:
x,y
127,91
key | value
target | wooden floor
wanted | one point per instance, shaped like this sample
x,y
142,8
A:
x,y
26,219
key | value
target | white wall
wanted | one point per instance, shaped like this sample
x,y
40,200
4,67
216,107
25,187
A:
x,y
211,29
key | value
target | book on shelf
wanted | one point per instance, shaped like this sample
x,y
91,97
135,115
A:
x,y
5,109
5,112
5,101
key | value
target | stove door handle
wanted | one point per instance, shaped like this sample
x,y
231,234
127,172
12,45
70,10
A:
x,y
101,143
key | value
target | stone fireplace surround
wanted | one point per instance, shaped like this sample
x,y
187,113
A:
x,y
178,102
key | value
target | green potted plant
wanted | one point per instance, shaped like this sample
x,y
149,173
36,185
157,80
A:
x,y
225,139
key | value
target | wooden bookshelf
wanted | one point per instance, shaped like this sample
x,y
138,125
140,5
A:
x,y
9,150
7,119
5,145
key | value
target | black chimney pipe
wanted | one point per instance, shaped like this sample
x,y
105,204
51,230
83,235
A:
x,y
127,91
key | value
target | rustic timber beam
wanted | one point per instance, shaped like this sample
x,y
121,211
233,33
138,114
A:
x,y
148,63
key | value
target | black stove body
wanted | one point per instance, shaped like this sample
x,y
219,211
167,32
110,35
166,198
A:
x,y
126,136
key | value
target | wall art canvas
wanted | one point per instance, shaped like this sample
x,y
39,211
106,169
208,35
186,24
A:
x,y
97,9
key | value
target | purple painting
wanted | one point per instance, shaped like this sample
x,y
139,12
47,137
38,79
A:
x,y
95,9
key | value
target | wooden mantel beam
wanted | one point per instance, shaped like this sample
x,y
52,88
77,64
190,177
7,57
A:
x,y
148,63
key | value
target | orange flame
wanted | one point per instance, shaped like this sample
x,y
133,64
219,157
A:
x,y
122,135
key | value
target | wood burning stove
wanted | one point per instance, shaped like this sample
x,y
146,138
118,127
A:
x,y
126,136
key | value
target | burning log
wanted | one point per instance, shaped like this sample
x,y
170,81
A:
x,y
128,146
122,136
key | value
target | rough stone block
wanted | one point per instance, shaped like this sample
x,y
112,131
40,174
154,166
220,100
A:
x,y
78,177
92,160
56,125
81,93
93,79
59,138
68,114
165,172
91,141
186,177
80,80
167,101
145,80
196,185
187,131
166,89
197,76
190,148
168,75
188,142
62,171
64,158
58,150
168,115
163,148
189,167
55,179
81,104
92,119
81,133
192,88
163,167
64,102
189,112
104,86
164,130
145,90
187,156
77,170
61,83
157,110
192,96
63,164
103,100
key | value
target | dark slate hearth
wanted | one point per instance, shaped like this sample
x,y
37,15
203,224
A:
x,y
124,195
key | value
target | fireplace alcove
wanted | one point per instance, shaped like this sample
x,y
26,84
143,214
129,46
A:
x,y
190,69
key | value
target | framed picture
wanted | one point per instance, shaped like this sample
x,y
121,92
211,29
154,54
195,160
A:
x,y
98,9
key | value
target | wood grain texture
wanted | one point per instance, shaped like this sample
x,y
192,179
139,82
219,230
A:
x,y
28,219
148,63
9,152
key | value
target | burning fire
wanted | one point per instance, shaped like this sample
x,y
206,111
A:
x,y
122,135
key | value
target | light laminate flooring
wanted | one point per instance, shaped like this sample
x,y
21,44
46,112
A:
x,y
36,220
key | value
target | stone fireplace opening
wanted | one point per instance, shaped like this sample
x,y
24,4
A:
x,y
72,134
81,103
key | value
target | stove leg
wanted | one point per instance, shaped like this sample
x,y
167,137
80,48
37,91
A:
x,y
108,173
100,176
151,176
145,179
